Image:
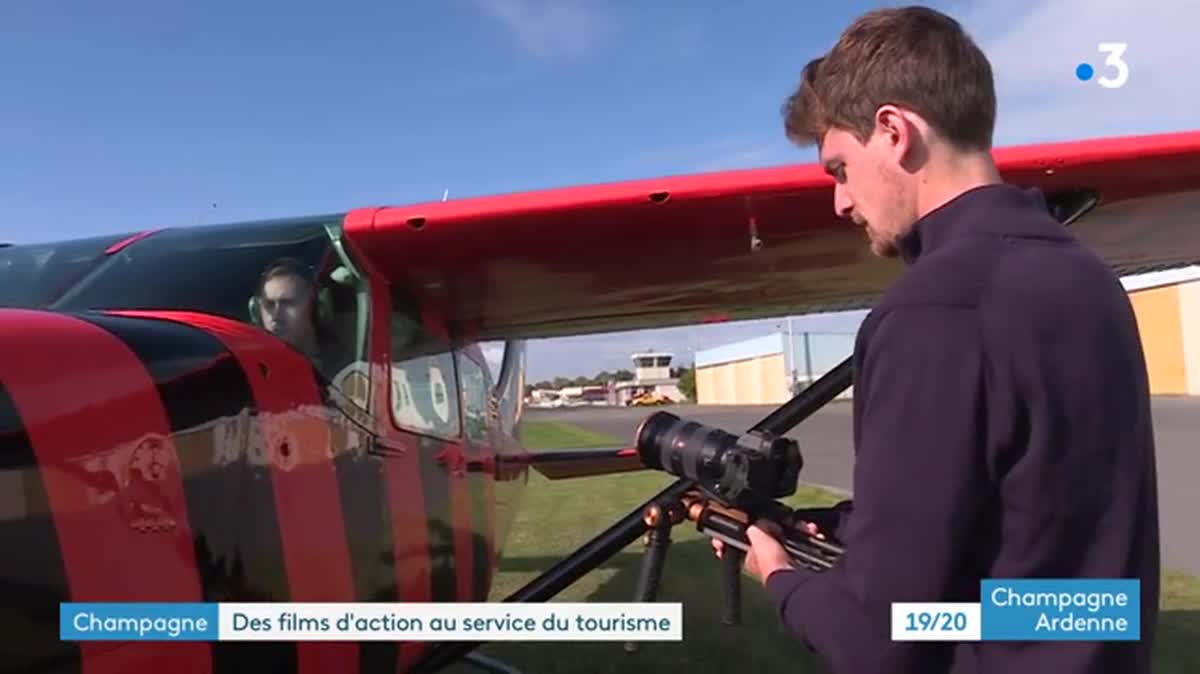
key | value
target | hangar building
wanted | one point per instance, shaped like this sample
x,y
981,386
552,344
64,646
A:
x,y
1169,321
770,368
764,369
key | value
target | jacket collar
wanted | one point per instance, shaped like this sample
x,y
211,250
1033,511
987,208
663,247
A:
x,y
1001,209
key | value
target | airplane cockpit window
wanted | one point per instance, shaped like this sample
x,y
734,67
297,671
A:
x,y
289,277
424,392
492,375
477,389
34,275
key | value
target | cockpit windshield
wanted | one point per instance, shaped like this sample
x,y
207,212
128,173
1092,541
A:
x,y
33,276
211,269
289,277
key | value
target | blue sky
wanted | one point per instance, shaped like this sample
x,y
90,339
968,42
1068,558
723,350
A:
x,y
125,115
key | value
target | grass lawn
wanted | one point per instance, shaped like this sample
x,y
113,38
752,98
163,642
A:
x,y
559,435
556,517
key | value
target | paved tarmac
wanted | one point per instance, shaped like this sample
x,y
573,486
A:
x,y
826,443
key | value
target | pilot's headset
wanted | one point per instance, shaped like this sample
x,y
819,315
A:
x,y
322,299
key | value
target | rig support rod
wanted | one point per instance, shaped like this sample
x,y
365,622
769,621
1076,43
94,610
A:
x,y
560,576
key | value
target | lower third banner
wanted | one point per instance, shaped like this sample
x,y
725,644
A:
x,y
558,621
1027,609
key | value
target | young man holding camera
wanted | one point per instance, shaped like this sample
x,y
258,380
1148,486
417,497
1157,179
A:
x,y
1001,406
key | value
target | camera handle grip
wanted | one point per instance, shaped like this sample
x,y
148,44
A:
x,y
731,586
803,549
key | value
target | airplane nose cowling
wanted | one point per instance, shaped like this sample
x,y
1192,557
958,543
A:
x,y
142,453
159,457
91,468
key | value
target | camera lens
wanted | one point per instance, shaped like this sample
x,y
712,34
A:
x,y
683,448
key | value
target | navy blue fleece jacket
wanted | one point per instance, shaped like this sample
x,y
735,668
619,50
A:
x,y
1002,429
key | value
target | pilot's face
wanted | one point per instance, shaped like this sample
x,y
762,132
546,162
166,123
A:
x,y
286,311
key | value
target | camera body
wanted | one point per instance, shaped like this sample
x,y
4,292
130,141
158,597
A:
x,y
747,472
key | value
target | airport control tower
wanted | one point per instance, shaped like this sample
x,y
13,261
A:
x,y
652,366
652,380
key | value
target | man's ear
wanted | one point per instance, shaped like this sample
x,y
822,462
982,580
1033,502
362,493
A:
x,y
894,128
904,135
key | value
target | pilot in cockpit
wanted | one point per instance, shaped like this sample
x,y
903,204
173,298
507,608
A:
x,y
287,305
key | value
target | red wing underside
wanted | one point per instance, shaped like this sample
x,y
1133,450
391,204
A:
x,y
735,245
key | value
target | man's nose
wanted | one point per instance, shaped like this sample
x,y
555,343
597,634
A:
x,y
842,205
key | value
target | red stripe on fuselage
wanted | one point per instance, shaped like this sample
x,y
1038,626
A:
x,y
410,542
454,458
460,513
485,457
297,438
489,495
402,473
103,445
482,478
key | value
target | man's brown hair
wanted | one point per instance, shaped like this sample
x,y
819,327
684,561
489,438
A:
x,y
913,57
287,266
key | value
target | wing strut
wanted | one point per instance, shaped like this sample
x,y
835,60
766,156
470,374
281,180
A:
x,y
673,504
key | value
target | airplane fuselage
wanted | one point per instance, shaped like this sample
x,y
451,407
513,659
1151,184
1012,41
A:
x,y
158,445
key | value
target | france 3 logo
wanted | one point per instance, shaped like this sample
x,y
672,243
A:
x,y
1115,71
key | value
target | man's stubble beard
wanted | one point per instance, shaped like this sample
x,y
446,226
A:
x,y
879,244
884,248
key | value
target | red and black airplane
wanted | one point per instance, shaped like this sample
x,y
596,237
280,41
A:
x,y
158,445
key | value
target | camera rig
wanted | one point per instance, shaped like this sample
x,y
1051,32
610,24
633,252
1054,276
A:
x,y
725,483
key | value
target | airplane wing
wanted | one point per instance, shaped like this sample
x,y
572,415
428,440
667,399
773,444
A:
x,y
740,244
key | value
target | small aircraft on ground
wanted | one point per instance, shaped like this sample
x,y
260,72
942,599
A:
x,y
158,444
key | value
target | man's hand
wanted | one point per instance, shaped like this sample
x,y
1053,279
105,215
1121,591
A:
x,y
766,554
